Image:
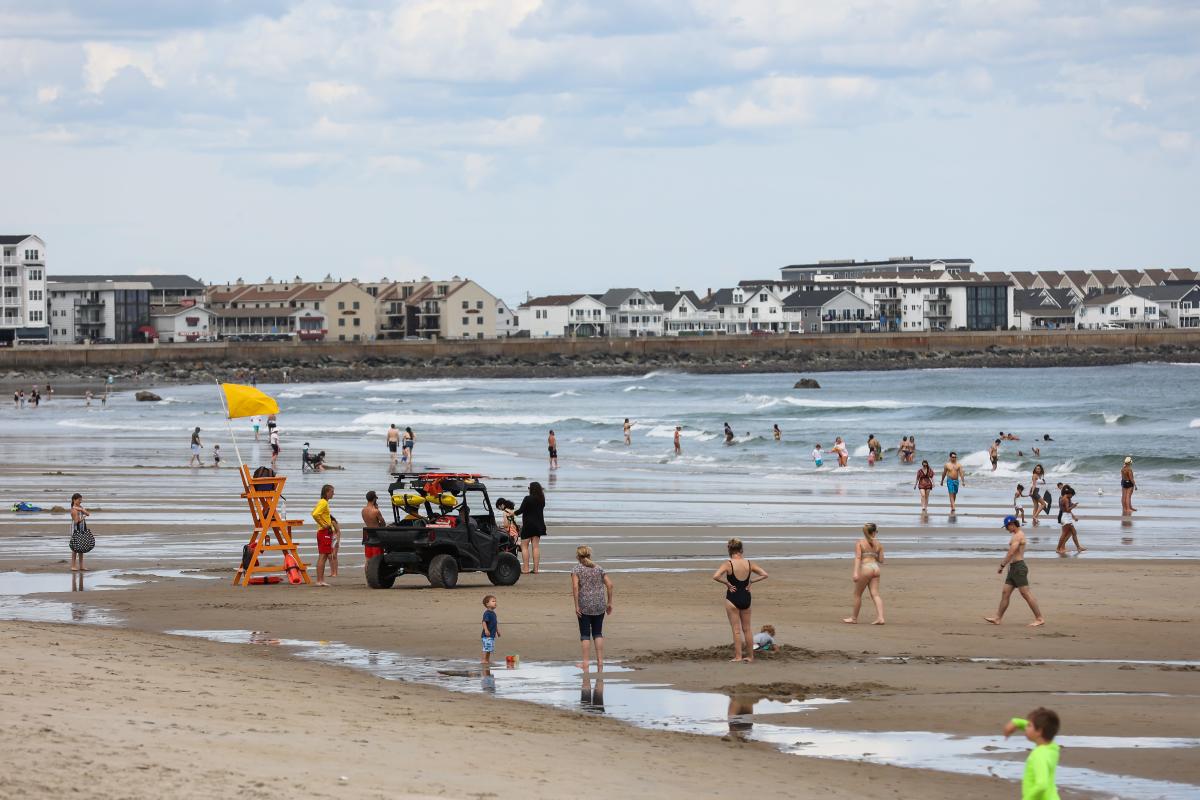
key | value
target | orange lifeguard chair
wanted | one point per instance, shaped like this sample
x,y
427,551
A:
x,y
263,496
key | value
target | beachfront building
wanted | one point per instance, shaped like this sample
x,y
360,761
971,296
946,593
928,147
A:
x,y
100,311
458,308
829,311
1045,309
506,320
1114,311
746,309
849,268
631,313
1178,304
166,291
553,315
24,312
329,309
189,321
685,314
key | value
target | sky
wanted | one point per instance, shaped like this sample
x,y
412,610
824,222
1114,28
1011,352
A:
x,y
554,145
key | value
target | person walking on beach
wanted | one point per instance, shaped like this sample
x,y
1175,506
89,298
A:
x,y
256,421
678,449
393,444
532,512
1128,485
196,445
868,559
1042,726
737,574
324,519
552,448
994,454
839,447
626,429
1067,518
82,540
216,454
1018,575
88,398
592,591
406,447
924,482
272,423
274,439
489,629
952,479
1018,509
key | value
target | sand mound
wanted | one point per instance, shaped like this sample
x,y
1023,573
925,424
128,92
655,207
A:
x,y
723,652
801,691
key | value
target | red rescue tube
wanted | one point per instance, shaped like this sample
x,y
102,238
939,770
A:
x,y
293,569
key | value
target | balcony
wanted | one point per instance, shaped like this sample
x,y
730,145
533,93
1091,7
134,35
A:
x,y
10,280
10,261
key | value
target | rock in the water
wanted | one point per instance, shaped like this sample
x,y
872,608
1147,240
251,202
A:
x,y
806,383
148,396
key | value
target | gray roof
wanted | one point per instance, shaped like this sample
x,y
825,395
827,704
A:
x,y
1108,297
1169,293
671,299
552,300
614,297
158,282
8,238
813,299
1034,300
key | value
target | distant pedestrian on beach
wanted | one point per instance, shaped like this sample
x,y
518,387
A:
x,y
1128,485
407,442
552,448
1042,726
628,426
953,479
274,438
737,574
1039,476
1018,509
393,444
924,483
82,540
728,434
324,519
216,453
868,561
592,591
196,445
489,629
678,431
1067,518
88,398
272,423
532,512
256,422
778,433
1018,575
839,448
994,454
818,455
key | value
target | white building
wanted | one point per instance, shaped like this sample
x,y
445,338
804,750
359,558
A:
x,y
830,311
1178,304
106,311
685,314
563,315
23,302
1045,309
506,320
191,322
746,309
632,312
1109,311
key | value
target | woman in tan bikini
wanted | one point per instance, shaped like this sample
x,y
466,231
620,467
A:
x,y
868,555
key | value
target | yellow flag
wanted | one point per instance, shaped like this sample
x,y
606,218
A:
x,y
246,401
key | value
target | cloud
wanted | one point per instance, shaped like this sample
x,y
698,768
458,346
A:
x,y
475,169
105,61
784,100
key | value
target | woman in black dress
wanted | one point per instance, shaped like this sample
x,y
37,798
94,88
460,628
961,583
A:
x,y
533,526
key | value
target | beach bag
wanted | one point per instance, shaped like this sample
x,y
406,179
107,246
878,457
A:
x,y
82,540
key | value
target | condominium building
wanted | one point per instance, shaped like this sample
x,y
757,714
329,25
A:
x,y
23,300
458,308
334,310
100,310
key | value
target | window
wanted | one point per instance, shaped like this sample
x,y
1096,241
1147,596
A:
x,y
466,304
31,255
341,306
35,294
35,316
354,305
466,320
479,304
357,324
316,306
35,274
342,323
479,320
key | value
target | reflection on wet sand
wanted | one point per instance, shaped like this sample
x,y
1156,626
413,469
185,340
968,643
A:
x,y
591,694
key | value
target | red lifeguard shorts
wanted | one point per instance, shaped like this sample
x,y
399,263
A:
x,y
325,541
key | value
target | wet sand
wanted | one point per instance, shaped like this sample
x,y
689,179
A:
x,y
915,673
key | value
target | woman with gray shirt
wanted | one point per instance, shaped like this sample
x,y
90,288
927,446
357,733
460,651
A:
x,y
592,591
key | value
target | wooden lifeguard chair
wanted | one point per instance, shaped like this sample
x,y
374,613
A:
x,y
263,496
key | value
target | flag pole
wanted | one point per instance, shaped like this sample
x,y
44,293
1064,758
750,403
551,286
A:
x,y
229,423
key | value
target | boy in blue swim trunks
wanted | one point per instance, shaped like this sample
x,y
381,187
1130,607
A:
x,y
490,629
952,478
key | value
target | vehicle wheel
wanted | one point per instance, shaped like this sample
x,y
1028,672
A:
x,y
379,574
443,572
507,571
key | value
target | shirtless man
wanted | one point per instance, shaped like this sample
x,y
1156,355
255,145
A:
x,y
678,449
627,428
1018,575
372,517
994,454
393,443
552,447
952,478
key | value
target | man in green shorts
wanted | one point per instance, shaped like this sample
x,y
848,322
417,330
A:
x,y
1018,575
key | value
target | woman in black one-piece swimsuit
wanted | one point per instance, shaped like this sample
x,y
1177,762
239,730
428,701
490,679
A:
x,y
737,597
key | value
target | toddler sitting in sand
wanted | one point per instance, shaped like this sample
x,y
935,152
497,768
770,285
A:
x,y
764,640
509,510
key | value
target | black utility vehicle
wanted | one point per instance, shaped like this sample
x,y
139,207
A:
x,y
443,525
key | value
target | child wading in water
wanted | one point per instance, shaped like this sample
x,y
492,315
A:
x,y
1040,728
490,629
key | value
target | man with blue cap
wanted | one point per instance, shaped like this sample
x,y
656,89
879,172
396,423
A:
x,y
1018,575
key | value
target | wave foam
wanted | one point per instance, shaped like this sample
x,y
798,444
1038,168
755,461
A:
x,y
486,420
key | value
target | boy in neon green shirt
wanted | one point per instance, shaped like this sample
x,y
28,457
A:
x,y
1040,728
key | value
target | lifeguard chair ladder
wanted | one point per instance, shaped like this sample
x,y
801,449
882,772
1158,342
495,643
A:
x,y
263,496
